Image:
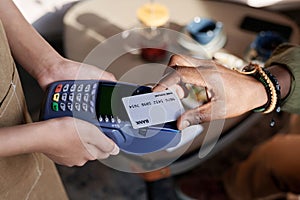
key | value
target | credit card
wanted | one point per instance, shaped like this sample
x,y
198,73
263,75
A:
x,y
153,108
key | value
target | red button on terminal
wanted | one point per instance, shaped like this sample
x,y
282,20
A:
x,y
58,88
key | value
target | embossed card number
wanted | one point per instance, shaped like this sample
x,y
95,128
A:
x,y
153,108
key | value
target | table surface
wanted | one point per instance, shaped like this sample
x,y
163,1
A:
x,y
91,22
123,15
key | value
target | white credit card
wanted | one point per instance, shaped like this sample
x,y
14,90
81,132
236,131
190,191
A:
x,y
153,108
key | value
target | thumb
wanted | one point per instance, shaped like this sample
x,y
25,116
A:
x,y
195,116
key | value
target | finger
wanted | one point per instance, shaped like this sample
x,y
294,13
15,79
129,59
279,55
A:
x,y
176,61
170,79
115,150
191,75
105,144
159,88
91,134
180,90
181,60
183,74
96,153
178,80
195,116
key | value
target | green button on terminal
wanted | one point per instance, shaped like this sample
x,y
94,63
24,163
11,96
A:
x,y
54,106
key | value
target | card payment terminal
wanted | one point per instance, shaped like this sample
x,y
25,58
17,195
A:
x,y
99,102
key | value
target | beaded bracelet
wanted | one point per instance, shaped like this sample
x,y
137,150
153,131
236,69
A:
x,y
271,85
277,89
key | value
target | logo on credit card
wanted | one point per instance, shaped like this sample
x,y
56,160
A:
x,y
153,108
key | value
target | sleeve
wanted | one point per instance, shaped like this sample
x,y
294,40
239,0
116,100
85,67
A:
x,y
288,55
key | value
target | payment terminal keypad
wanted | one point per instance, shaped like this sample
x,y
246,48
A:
x,y
74,97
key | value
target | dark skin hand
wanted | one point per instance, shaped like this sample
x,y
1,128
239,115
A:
x,y
229,93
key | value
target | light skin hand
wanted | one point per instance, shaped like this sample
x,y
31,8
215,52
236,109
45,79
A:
x,y
229,93
78,143
83,141
57,138
66,69
67,141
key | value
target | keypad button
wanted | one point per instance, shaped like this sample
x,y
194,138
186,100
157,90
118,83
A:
x,y
58,88
86,97
71,97
106,119
77,106
85,107
70,106
62,106
92,103
95,85
54,106
93,98
80,88
112,119
73,88
100,119
64,96
87,88
78,97
56,97
66,88
93,92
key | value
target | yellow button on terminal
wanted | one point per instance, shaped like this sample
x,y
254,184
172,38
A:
x,y
56,97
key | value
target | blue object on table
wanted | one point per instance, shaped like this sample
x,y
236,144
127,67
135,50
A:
x,y
204,30
265,43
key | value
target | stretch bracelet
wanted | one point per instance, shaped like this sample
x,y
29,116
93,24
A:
x,y
270,83
277,88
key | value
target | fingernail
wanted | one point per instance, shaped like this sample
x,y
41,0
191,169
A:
x,y
185,124
115,151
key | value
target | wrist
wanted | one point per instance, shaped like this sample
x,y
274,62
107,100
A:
x,y
50,71
259,95
45,135
276,81
283,77
264,96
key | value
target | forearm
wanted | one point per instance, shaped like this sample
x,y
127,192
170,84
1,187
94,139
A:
x,y
27,46
21,139
66,141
